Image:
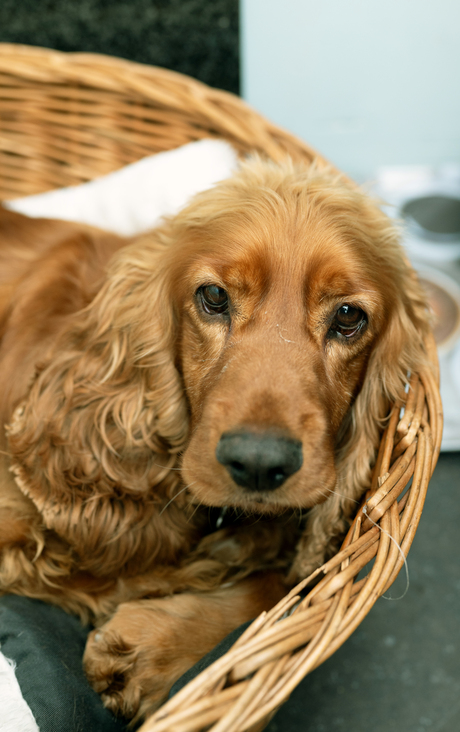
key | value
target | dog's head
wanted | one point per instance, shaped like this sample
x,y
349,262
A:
x,y
293,298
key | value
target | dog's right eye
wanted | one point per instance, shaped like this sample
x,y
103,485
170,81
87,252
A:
x,y
213,299
348,321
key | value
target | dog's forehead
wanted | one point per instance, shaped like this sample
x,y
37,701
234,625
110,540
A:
x,y
317,238
284,254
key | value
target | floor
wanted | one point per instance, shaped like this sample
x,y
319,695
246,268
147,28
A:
x,y
400,671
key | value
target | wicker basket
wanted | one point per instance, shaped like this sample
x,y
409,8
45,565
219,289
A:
x,y
66,118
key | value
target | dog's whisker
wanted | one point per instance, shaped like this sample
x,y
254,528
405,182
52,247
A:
x,y
198,505
322,493
342,495
182,490
166,467
299,513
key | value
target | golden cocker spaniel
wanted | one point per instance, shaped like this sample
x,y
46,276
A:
x,y
192,414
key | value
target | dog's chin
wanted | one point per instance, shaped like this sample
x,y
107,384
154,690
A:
x,y
267,503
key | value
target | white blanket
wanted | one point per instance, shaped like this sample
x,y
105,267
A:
x,y
135,198
15,714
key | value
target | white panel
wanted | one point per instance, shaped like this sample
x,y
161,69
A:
x,y
366,82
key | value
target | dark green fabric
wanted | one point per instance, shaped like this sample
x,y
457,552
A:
x,y
47,646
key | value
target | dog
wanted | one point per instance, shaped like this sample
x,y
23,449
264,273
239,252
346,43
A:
x,y
193,414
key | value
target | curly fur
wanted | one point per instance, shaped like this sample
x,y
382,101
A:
x,y
117,388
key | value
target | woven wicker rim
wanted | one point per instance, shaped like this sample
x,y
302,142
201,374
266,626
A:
x,y
68,118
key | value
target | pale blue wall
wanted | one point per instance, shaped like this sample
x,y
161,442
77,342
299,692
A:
x,y
366,82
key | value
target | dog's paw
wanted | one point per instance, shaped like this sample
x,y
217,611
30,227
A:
x,y
126,662
135,658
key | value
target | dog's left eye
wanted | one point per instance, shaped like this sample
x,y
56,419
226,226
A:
x,y
214,299
348,320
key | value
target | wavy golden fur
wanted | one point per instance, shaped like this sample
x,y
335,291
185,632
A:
x,y
277,304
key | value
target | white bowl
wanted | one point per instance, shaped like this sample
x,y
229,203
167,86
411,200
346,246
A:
x,y
433,226
444,298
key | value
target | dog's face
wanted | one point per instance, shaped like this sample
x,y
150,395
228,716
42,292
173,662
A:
x,y
282,295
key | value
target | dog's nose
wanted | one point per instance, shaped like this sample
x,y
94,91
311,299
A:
x,y
259,462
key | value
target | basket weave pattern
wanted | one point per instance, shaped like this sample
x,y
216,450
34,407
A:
x,y
68,118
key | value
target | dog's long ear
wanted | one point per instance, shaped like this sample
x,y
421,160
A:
x,y
399,352
93,443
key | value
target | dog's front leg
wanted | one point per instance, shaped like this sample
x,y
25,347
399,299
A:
x,y
135,657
